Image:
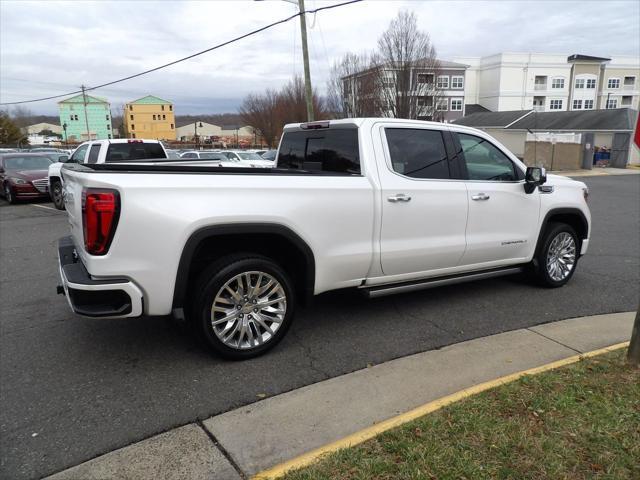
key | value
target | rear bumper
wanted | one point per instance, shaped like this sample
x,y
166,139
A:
x,y
103,298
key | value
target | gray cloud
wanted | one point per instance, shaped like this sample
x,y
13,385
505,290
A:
x,y
48,48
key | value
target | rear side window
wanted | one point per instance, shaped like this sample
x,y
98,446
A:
x,y
119,152
334,151
418,153
93,153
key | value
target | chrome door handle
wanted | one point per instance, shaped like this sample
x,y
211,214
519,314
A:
x,y
480,196
400,197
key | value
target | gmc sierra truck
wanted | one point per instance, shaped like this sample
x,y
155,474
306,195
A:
x,y
380,205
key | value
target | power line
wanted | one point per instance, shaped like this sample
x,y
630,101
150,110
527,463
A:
x,y
220,45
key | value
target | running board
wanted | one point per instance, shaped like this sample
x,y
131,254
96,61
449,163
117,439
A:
x,y
383,290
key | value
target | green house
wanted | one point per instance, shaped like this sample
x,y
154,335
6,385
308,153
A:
x,y
84,112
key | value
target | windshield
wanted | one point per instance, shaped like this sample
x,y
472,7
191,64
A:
x,y
27,163
249,156
212,156
172,154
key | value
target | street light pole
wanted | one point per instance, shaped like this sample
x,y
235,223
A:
x,y
86,119
66,141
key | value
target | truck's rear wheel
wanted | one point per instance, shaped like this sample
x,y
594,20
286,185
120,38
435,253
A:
x,y
56,194
243,306
557,257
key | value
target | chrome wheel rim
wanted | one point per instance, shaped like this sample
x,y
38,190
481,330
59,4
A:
x,y
561,256
7,193
57,194
248,310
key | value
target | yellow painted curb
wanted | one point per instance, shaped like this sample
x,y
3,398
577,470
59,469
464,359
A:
x,y
370,432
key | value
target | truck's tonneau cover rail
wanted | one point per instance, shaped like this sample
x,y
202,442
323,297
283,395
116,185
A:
x,y
158,167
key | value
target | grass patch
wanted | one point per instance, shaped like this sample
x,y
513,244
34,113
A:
x,y
580,421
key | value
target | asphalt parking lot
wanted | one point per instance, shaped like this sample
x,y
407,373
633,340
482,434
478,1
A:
x,y
72,388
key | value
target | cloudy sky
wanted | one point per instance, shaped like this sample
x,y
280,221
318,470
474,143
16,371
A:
x,y
49,48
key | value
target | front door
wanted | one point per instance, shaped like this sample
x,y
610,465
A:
x,y
503,218
424,210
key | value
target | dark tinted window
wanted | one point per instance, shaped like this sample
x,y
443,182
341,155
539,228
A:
x,y
418,153
78,155
119,152
321,150
484,161
93,154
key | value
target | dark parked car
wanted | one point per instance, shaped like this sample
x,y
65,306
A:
x,y
24,175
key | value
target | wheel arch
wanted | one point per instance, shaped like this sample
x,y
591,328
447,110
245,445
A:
x,y
570,216
271,240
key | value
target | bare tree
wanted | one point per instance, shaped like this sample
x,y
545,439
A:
x,y
293,106
406,70
262,111
351,88
21,116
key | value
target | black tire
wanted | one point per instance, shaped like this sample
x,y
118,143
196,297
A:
x,y
541,270
8,194
56,194
209,285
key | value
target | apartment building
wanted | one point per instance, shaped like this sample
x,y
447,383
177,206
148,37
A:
x,y
552,82
85,117
438,93
151,118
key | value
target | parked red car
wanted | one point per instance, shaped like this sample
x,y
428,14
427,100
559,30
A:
x,y
24,175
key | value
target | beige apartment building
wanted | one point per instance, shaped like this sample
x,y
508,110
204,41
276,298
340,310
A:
x,y
551,82
151,118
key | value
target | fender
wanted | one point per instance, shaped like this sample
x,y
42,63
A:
x,y
563,211
204,233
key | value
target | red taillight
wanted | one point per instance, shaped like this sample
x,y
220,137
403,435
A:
x,y
100,212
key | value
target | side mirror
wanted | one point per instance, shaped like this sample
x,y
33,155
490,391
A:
x,y
63,158
534,177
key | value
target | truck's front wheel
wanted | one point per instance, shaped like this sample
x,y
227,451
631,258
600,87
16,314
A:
x,y
243,306
56,194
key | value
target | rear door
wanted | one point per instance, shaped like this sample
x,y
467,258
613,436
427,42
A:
x,y
424,204
503,218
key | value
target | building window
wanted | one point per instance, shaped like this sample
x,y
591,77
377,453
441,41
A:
x,y
442,104
557,83
555,105
71,117
108,127
107,116
456,104
579,82
443,81
130,107
133,127
457,83
425,78
162,107
172,126
591,83
629,81
425,101
612,103
588,104
131,116
171,108
540,82
626,100
133,135
154,117
76,117
613,83
164,117
577,104
109,135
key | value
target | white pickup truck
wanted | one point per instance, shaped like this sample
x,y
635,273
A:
x,y
381,205
101,151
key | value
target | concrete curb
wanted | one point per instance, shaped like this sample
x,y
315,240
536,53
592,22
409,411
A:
x,y
262,438
596,172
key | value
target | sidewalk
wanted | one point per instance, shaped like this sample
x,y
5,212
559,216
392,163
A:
x,y
597,171
243,442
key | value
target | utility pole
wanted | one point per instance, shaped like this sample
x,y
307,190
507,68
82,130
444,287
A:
x,y
86,118
305,60
633,354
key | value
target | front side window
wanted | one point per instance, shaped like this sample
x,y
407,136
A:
x,y
457,82
417,153
557,83
588,104
613,83
93,153
325,150
456,104
555,105
443,81
78,155
577,104
485,161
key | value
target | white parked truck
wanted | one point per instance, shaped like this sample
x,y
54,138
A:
x,y
380,205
